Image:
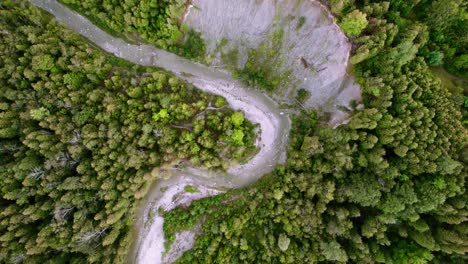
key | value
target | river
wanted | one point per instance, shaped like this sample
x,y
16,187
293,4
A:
x,y
257,107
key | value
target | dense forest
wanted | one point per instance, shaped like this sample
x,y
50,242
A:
x,y
80,134
389,187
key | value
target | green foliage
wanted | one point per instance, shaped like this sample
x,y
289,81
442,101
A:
x,y
42,62
353,23
193,47
434,58
461,63
39,114
300,22
333,252
190,189
441,13
177,220
237,119
447,23
262,68
405,253
161,115
283,242
302,95
238,137
220,102
339,6
378,9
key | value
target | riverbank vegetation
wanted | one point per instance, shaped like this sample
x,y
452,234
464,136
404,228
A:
x,y
80,134
388,187
156,22
262,69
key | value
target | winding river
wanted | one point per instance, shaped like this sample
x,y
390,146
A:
x,y
257,107
325,77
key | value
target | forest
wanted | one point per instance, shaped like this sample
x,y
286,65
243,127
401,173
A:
x,y
389,187
81,131
80,134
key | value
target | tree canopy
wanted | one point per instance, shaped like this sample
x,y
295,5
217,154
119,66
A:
x,y
388,187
